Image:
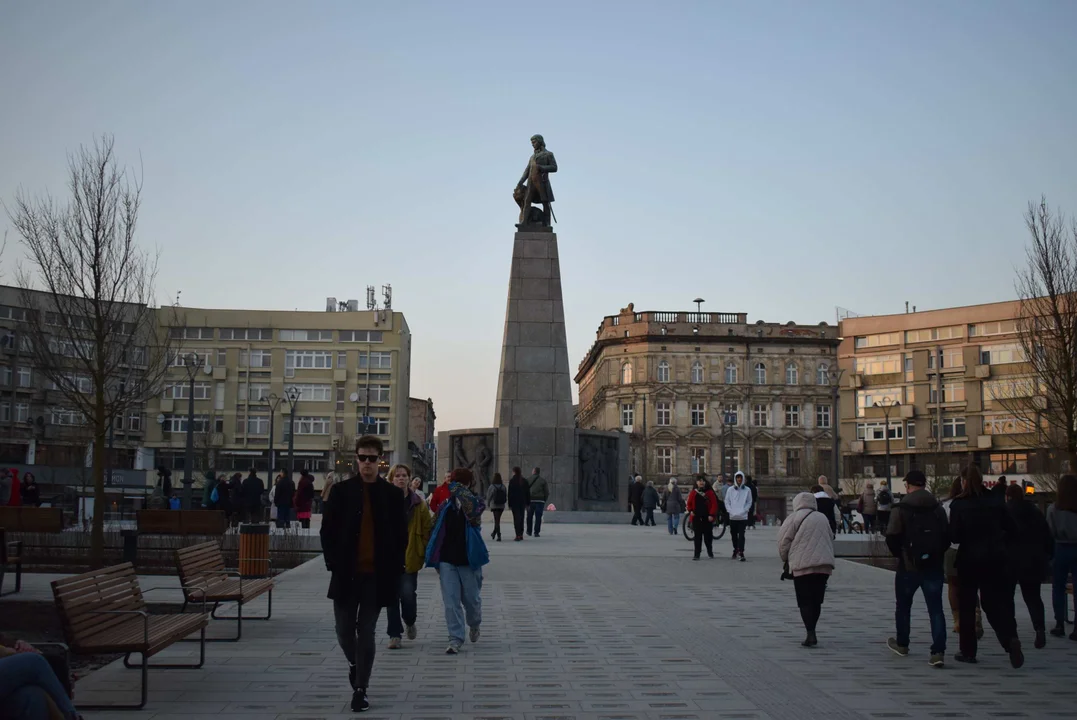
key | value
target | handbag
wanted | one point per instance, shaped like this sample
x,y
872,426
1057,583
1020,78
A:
x,y
433,547
477,553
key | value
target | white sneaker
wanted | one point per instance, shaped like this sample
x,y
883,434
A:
x,y
395,644
474,635
412,632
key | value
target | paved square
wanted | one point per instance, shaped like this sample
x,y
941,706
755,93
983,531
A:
x,y
610,622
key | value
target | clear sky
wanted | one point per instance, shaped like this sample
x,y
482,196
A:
x,y
774,158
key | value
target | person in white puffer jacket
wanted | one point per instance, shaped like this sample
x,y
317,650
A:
x,y
738,502
806,545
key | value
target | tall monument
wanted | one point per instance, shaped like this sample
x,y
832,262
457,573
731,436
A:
x,y
533,417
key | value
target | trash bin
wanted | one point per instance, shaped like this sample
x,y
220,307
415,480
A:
x,y
130,546
254,550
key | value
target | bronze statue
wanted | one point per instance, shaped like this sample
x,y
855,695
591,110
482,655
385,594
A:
x,y
538,189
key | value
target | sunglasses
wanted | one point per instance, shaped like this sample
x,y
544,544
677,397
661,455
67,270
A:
x,y
367,458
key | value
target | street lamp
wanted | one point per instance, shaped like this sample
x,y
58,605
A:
x,y
728,421
292,396
835,386
887,405
272,402
190,364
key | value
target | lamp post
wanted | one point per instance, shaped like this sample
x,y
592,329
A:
x,y
728,420
272,402
835,386
190,363
292,396
887,405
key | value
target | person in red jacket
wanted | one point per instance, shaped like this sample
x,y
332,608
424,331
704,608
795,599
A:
x,y
703,509
440,494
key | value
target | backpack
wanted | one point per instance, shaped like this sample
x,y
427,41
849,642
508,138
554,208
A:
x,y
500,498
885,498
926,537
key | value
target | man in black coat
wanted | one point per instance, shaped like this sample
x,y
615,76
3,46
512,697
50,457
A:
x,y
364,535
283,499
251,492
1029,553
519,499
635,500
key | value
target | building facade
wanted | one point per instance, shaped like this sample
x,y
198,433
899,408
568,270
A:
x,y
692,388
959,369
421,445
350,371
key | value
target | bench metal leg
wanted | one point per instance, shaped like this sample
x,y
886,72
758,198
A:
x,y
239,619
144,667
18,579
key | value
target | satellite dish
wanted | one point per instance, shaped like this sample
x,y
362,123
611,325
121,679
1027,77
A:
x,y
208,369
354,397
160,418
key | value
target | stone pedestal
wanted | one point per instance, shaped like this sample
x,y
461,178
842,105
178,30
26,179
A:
x,y
533,415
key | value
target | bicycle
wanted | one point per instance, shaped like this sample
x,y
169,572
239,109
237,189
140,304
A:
x,y
690,534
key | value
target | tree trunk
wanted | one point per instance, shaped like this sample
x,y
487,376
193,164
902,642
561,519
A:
x,y
97,531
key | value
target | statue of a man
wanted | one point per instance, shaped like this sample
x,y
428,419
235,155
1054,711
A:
x,y
537,177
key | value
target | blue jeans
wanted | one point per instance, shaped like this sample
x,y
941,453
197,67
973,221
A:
x,y
534,512
284,516
460,585
26,679
1065,563
407,604
673,523
906,583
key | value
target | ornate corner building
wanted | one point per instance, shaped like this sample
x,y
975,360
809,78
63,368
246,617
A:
x,y
711,392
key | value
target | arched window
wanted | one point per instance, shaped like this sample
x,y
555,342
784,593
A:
x,y
760,374
731,373
626,374
663,371
822,375
792,377
697,372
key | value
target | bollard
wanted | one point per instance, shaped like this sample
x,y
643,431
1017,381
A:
x,y
254,550
130,546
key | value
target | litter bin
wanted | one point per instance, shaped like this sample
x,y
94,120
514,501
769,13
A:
x,y
130,546
254,550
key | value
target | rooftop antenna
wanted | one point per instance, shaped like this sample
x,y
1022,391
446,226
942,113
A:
x,y
699,302
387,296
178,297
371,303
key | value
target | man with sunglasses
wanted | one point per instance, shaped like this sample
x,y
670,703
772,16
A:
x,y
364,535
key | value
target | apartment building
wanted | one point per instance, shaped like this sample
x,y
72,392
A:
x,y
346,371
707,392
959,369
421,444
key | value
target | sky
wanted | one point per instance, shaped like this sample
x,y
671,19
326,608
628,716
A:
x,y
776,158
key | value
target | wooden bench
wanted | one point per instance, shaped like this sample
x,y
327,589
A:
x,y
181,522
103,611
205,579
10,554
32,519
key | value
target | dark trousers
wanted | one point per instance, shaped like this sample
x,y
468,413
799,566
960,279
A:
x,y
356,616
650,517
704,535
1065,565
497,522
1030,591
534,513
407,604
906,583
637,518
736,532
996,598
810,590
518,521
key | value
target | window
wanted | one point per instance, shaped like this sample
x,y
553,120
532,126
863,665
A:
x,y
870,341
309,425
877,365
663,372
792,416
311,392
22,412
191,333
218,396
367,336
762,461
258,392
1009,388
178,424
60,416
628,414
731,373
953,357
308,359
664,458
255,359
78,383
951,392
378,359
380,426
822,416
338,426
1002,327
26,378
792,462
12,313
792,375
179,360
246,334
662,414
626,373
761,415
1007,425
822,374
134,421
699,460
697,372
760,374
1009,463
910,435
306,335
340,397
258,425
378,394
5,375
875,431
698,413
182,391
952,427
342,360
1002,354
730,414
952,332
222,358
884,396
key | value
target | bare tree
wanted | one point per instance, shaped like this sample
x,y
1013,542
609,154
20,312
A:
x,y
1046,328
93,326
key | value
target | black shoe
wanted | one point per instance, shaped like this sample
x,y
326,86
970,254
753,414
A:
x,y
1073,635
499,538
1041,640
961,658
1017,658
696,557
536,534
1059,630
351,677
528,533
810,641
742,557
359,701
